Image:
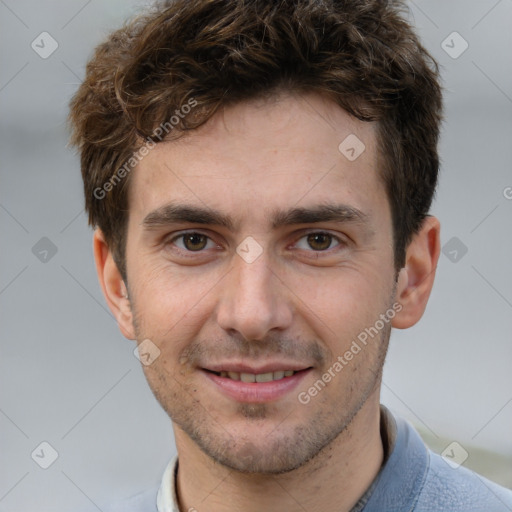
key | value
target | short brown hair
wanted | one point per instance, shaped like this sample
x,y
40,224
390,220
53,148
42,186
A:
x,y
362,54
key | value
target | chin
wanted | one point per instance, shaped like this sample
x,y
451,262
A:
x,y
259,447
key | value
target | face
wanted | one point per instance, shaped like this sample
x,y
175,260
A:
x,y
257,253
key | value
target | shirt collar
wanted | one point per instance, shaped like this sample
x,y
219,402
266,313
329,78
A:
x,y
400,480
167,497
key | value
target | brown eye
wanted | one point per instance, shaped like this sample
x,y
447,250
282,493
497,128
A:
x,y
319,241
194,241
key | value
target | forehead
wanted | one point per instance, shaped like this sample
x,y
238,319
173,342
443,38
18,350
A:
x,y
261,156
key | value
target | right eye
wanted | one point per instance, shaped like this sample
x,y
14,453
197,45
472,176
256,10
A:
x,y
191,241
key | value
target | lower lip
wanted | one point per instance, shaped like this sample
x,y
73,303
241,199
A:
x,y
257,392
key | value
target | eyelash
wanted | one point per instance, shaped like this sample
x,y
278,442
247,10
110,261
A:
x,y
340,243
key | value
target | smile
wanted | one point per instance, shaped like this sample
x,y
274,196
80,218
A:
x,y
261,387
260,377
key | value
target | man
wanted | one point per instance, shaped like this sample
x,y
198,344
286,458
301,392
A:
x,y
260,175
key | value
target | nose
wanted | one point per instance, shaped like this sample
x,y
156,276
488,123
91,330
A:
x,y
254,300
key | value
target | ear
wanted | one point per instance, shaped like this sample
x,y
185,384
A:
x,y
416,279
113,286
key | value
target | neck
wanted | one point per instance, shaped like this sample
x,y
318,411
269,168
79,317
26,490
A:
x,y
334,480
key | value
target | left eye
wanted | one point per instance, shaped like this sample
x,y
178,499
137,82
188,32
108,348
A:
x,y
318,241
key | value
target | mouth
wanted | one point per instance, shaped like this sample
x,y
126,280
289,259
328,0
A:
x,y
259,377
250,386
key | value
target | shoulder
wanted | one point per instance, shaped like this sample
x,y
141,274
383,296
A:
x,y
415,479
460,490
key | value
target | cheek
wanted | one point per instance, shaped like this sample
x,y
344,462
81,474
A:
x,y
171,306
344,304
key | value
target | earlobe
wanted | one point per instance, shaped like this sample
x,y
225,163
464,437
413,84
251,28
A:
x,y
416,279
112,285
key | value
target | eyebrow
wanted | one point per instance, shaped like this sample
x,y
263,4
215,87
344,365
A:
x,y
320,213
174,213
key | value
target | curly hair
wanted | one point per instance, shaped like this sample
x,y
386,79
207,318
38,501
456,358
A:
x,y
361,54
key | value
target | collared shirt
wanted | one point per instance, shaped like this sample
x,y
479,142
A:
x,y
411,479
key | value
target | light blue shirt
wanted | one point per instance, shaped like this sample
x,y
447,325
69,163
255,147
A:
x,y
412,479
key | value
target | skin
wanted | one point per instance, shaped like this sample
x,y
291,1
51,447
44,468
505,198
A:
x,y
302,301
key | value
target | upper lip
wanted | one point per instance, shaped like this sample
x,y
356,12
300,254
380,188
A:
x,y
256,370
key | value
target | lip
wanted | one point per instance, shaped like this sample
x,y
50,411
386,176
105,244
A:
x,y
256,392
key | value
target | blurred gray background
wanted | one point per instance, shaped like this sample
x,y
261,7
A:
x,y
69,378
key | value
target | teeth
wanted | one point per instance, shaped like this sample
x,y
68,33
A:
x,y
261,377
265,377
